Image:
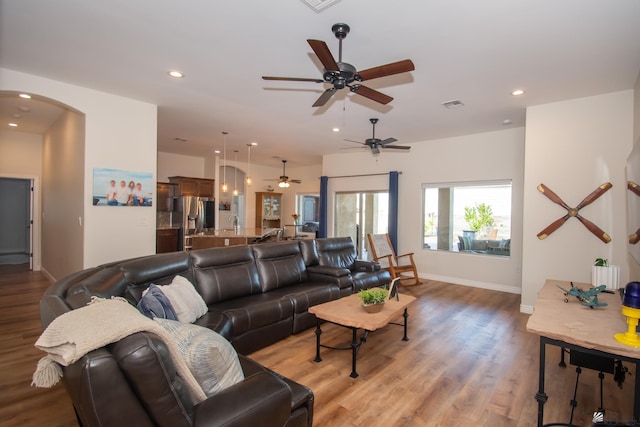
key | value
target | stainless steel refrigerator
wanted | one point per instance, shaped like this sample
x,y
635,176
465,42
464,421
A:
x,y
192,214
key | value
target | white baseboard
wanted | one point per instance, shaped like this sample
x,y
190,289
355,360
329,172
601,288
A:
x,y
528,309
472,283
48,275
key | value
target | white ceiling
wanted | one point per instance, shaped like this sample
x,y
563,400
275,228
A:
x,y
475,51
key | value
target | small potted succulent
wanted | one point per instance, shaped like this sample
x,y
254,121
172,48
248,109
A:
x,y
373,299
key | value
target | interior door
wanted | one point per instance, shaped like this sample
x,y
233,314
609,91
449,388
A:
x,y
16,221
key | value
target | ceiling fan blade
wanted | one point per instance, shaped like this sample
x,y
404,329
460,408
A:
x,y
552,227
597,231
552,196
324,54
371,94
326,95
387,141
375,150
296,181
387,70
292,79
357,142
397,147
594,195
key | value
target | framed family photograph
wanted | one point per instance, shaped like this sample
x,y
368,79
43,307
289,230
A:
x,y
114,187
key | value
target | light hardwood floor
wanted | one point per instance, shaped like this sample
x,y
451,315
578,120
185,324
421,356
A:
x,y
469,362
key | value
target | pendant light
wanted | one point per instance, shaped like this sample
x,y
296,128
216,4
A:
x,y
225,187
249,162
235,173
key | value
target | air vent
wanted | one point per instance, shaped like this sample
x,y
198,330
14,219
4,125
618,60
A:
x,y
319,5
456,103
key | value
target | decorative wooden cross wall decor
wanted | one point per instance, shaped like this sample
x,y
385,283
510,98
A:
x,y
635,189
574,212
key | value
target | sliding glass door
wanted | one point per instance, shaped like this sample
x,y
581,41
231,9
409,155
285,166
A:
x,y
359,213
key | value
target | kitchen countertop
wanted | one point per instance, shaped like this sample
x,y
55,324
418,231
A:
x,y
243,232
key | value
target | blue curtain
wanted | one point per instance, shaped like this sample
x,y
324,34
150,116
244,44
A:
x,y
393,209
324,184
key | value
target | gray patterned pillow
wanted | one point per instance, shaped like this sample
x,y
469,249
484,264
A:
x,y
210,357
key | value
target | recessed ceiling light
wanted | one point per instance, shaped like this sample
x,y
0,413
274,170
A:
x,y
253,144
216,151
16,115
336,129
517,92
506,122
25,96
13,125
175,74
24,109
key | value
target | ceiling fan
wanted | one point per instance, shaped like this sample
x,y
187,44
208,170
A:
x,y
284,181
376,143
341,74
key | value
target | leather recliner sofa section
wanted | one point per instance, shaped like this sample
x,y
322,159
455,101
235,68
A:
x,y
256,295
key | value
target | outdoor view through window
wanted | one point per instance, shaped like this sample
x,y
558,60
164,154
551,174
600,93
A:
x,y
469,217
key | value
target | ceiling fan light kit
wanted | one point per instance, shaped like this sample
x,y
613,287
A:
x,y
342,74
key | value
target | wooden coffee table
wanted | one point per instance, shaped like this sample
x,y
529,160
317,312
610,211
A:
x,y
348,312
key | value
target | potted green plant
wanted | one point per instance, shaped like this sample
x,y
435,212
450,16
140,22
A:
x,y
479,217
373,299
604,274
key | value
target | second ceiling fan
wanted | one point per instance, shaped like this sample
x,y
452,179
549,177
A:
x,y
375,144
341,74
284,181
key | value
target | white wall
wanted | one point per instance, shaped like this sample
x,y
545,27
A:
x,y
485,156
22,158
120,133
170,164
573,147
634,266
62,182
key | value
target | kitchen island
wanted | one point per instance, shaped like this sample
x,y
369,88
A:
x,y
221,238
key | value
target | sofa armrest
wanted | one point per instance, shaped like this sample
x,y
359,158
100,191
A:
x,y
262,399
328,270
365,266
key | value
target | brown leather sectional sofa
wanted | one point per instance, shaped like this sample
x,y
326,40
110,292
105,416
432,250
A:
x,y
256,295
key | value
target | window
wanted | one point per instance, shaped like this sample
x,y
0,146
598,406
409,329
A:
x,y
357,214
469,217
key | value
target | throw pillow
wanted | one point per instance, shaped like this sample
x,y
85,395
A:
x,y
210,357
185,300
154,303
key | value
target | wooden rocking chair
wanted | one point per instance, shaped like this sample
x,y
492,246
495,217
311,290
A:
x,y
382,252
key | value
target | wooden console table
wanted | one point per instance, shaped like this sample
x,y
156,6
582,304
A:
x,y
574,326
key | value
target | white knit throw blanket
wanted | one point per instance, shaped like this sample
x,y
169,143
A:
x,y
103,321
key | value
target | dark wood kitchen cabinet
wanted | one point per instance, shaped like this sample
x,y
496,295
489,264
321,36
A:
x,y
166,240
193,186
164,194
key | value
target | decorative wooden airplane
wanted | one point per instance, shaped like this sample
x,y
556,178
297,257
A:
x,y
575,212
587,298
